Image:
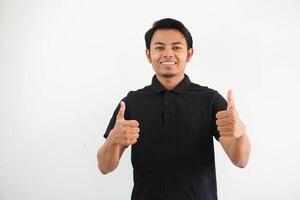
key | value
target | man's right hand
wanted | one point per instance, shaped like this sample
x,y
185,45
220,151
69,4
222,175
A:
x,y
125,132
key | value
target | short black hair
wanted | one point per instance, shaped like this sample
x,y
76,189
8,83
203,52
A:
x,y
168,23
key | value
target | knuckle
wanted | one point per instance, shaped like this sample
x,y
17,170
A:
x,y
120,126
120,122
234,128
234,119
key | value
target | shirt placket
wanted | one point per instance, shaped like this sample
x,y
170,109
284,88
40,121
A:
x,y
168,111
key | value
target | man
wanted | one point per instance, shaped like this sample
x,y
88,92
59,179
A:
x,y
171,124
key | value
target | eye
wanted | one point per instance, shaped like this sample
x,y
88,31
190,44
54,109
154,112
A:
x,y
177,47
159,48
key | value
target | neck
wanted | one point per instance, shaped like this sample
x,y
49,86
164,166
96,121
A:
x,y
170,82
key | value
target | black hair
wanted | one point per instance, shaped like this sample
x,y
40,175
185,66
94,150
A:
x,y
169,23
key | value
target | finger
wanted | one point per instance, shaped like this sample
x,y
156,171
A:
x,y
226,134
230,101
131,123
130,141
223,121
133,141
226,138
121,111
128,132
224,128
134,136
132,130
222,114
131,136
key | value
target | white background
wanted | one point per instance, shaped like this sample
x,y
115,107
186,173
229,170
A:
x,y
64,66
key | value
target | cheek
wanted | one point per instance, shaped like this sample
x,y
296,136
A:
x,y
155,57
182,57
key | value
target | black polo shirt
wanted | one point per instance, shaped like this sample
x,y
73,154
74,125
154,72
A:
x,y
173,158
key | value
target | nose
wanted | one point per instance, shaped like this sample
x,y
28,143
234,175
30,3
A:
x,y
168,53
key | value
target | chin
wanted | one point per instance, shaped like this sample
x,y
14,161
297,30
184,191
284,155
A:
x,y
167,75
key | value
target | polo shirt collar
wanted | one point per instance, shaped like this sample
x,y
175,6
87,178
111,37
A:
x,y
180,88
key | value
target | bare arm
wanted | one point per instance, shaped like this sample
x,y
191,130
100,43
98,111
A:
x,y
237,149
124,133
233,136
108,155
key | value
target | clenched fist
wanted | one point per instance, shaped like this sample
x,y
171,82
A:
x,y
228,122
125,132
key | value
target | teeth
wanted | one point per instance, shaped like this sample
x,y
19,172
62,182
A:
x,y
168,63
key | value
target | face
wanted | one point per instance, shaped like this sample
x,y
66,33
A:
x,y
168,53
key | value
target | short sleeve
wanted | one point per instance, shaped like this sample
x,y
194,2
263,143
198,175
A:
x,y
218,104
112,120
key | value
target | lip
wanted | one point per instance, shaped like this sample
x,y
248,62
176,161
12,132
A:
x,y
168,65
168,62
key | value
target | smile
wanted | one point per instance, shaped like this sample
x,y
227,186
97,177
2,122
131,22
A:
x,y
168,63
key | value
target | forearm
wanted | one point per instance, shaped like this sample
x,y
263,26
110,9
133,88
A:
x,y
240,150
108,156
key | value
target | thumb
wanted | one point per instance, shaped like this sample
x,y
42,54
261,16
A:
x,y
230,101
121,111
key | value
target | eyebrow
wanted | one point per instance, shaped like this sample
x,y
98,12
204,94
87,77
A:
x,y
161,43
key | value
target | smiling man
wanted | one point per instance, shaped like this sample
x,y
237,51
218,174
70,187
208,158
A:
x,y
171,124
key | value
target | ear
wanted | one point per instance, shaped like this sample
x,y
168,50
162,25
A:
x,y
148,55
190,53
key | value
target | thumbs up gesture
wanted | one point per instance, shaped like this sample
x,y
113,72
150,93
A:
x,y
125,132
228,122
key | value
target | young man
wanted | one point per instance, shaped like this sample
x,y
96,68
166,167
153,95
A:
x,y
171,124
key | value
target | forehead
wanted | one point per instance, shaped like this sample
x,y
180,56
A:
x,y
168,36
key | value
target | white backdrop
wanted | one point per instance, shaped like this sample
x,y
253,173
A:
x,y
64,66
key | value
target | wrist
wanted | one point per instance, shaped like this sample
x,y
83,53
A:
x,y
241,129
243,135
111,140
